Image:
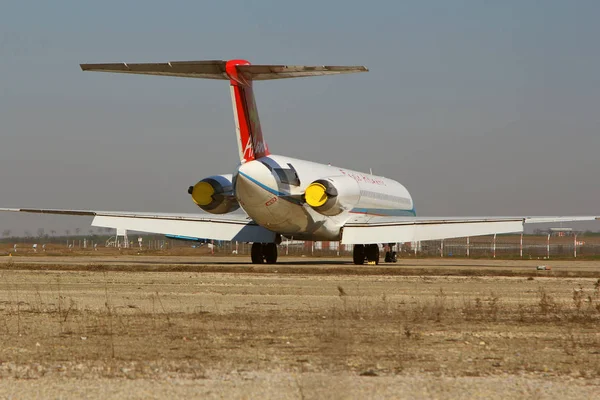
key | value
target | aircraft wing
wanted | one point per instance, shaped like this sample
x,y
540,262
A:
x,y
375,229
235,227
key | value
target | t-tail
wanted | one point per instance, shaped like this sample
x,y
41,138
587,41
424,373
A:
x,y
251,144
241,75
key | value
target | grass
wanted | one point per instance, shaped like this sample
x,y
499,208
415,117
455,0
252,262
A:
x,y
426,325
584,308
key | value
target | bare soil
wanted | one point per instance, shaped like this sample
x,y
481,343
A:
x,y
157,327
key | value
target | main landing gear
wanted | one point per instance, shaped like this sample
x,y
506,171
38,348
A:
x,y
263,253
370,253
362,252
390,254
390,257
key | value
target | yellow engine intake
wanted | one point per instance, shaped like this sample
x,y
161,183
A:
x,y
316,194
202,193
332,195
215,194
323,196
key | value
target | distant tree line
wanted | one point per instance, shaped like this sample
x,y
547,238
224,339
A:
x,y
95,234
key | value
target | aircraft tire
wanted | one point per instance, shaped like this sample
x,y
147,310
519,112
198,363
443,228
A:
x,y
390,257
372,252
256,253
358,254
270,252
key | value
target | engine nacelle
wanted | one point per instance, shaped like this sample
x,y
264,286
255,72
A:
x,y
215,194
330,196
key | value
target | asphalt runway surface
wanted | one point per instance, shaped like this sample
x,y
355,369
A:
x,y
220,327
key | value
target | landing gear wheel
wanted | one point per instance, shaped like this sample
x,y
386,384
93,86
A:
x,y
263,252
270,252
359,254
390,257
256,253
372,253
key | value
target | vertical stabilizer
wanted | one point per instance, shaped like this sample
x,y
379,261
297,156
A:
x,y
251,144
240,74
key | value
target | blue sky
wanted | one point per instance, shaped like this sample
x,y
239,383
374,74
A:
x,y
478,107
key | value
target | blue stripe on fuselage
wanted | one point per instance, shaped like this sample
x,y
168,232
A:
x,y
262,185
369,211
281,195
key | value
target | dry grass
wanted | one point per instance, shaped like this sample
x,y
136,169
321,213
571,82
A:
x,y
155,325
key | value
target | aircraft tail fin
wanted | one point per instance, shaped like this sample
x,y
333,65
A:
x,y
240,74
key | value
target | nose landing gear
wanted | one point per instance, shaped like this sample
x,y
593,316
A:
x,y
390,257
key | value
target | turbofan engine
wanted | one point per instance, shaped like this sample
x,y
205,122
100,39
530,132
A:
x,y
330,196
215,194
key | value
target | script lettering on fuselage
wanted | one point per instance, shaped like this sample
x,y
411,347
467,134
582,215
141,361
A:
x,y
364,178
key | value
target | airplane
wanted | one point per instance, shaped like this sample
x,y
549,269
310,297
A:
x,y
284,197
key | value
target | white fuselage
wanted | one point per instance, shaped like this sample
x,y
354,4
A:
x,y
270,191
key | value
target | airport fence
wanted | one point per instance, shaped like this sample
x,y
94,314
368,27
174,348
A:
x,y
501,246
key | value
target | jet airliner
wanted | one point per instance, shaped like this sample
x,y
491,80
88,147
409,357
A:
x,y
284,197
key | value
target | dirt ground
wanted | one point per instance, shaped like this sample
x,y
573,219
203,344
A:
x,y
160,327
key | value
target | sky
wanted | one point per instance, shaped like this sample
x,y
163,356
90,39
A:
x,y
477,107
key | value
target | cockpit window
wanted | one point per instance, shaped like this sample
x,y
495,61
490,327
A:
x,y
287,176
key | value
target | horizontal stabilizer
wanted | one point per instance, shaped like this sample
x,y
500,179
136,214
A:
x,y
217,70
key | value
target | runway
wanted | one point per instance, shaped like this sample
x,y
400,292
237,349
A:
x,y
311,265
211,327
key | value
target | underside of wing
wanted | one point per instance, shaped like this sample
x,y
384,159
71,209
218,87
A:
x,y
365,230
234,227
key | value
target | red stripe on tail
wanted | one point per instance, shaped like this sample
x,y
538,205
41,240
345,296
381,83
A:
x,y
250,134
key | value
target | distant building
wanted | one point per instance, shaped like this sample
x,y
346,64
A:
x,y
561,232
